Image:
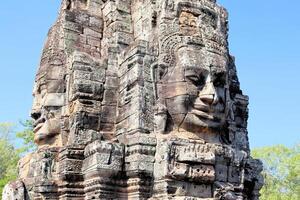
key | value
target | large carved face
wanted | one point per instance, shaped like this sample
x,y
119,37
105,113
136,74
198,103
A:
x,y
49,98
194,90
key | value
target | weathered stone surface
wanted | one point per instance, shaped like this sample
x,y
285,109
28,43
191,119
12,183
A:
x,y
138,100
15,190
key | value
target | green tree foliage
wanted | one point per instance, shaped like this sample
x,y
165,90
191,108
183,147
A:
x,y
27,136
6,129
281,172
9,156
281,164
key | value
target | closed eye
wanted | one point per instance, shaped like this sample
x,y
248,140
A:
x,y
219,80
195,80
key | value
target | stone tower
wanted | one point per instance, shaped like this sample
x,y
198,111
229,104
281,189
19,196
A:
x,y
138,99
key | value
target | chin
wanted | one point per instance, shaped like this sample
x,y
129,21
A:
x,y
38,137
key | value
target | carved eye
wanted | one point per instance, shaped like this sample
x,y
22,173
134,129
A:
x,y
50,115
193,23
42,89
219,80
195,80
186,21
50,111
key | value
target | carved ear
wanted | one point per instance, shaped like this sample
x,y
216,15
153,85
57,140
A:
x,y
234,84
154,19
68,5
162,71
158,71
160,117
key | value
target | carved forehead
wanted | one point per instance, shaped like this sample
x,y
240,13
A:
x,y
190,70
194,58
50,72
190,56
52,81
51,76
53,62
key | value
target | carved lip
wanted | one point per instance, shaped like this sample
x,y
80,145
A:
x,y
219,108
207,115
37,126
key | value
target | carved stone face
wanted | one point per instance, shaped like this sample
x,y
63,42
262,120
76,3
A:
x,y
194,90
49,98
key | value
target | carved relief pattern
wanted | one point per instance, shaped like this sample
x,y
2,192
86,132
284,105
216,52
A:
x,y
138,100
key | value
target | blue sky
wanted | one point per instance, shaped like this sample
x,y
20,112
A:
x,y
264,38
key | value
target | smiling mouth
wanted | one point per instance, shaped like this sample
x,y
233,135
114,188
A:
x,y
37,127
38,124
208,116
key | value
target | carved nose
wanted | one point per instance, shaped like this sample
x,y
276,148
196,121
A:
x,y
208,99
35,114
209,94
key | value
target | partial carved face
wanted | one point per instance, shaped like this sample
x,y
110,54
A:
x,y
49,98
194,91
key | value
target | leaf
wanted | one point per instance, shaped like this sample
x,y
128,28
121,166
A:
x,y
281,172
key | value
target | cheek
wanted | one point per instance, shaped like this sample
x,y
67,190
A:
x,y
53,125
178,104
192,90
178,108
222,94
53,121
192,99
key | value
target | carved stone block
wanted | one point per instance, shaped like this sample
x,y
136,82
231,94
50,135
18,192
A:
x,y
138,100
103,159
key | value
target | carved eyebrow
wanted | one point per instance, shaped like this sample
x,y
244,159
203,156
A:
x,y
42,86
195,70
